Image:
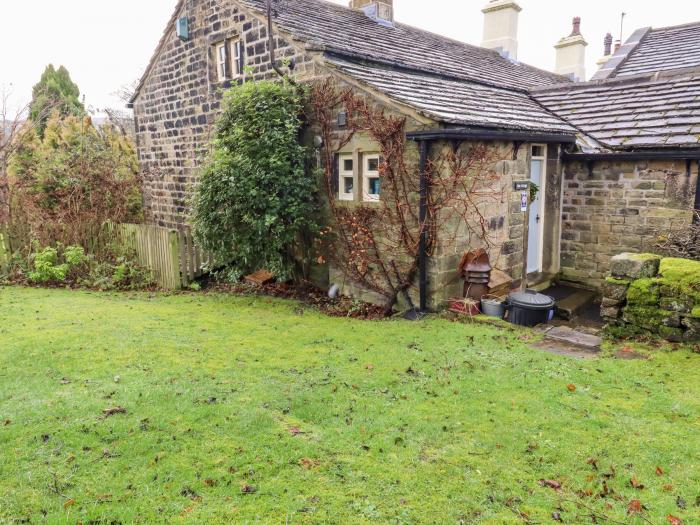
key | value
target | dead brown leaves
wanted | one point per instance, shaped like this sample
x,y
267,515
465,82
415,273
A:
x,y
550,483
112,411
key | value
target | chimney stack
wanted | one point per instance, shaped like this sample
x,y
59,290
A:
x,y
571,54
607,45
382,11
607,50
501,27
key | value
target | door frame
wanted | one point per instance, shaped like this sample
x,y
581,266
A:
x,y
542,196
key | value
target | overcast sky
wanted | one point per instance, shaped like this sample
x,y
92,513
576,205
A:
x,y
107,43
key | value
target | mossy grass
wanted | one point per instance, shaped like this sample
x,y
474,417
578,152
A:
x,y
257,410
644,292
682,275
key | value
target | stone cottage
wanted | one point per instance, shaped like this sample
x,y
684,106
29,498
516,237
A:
x,y
615,158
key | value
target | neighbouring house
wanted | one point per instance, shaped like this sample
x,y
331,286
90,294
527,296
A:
x,y
616,158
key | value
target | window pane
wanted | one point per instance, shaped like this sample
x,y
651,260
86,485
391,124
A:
x,y
374,186
348,184
347,165
537,151
373,164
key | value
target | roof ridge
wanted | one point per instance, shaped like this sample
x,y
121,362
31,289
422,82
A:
x,y
680,26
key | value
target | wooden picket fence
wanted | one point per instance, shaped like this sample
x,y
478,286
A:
x,y
171,255
5,248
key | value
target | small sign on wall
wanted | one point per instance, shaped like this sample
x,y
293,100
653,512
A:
x,y
521,185
524,197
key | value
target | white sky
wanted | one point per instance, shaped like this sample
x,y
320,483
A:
x,y
107,43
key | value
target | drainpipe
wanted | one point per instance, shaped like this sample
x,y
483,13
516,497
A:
x,y
423,214
696,215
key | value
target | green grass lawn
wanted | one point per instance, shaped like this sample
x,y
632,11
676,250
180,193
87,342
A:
x,y
254,410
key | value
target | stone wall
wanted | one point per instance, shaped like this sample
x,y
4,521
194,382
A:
x,y
180,99
618,207
646,294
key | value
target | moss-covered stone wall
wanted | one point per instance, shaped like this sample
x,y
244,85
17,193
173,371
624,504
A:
x,y
649,295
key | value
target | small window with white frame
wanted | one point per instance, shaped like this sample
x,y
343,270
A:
x,y
236,54
370,175
221,50
346,182
538,151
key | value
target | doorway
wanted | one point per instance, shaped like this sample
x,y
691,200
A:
x,y
538,177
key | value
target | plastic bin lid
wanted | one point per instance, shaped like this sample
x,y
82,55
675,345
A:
x,y
531,299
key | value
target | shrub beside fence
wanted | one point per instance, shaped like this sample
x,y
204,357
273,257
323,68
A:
x,y
170,255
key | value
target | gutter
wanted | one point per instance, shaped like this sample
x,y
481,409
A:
x,y
677,154
492,134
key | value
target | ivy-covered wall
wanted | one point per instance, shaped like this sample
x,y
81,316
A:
x,y
650,295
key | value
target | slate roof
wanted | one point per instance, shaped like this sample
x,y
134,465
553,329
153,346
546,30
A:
x,y
634,113
454,101
653,50
336,28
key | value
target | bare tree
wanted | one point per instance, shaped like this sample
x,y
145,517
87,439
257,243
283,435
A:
x,y
12,125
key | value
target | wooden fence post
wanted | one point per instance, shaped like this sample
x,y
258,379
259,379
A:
x,y
5,249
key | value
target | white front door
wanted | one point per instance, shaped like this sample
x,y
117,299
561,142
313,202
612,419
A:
x,y
537,177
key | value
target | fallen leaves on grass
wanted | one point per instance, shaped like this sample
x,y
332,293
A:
x,y
571,387
187,492
308,463
69,503
248,489
636,484
674,520
113,411
635,506
659,471
550,483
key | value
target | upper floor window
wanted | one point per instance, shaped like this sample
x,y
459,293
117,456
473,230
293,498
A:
x,y
222,61
229,59
236,57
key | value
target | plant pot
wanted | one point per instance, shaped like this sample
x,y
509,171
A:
x,y
493,308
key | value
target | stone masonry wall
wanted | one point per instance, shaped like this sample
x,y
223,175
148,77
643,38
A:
x,y
180,99
179,103
619,207
646,294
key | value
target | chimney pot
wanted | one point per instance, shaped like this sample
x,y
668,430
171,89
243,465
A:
x,y
607,45
577,26
618,45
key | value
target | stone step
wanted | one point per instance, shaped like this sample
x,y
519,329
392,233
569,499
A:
x,y
577,338
568,307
